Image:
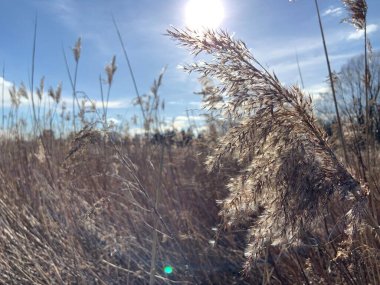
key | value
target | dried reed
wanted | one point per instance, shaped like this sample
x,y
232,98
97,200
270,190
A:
x,y
288,169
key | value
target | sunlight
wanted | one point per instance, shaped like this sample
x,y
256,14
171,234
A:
x,y
204,14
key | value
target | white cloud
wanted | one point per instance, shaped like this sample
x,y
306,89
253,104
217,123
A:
x,y
318,88
316,91
333,11
112,104
7,86
114,121
309,62
136,131
7,99
175,103
183,122
182,102
358,34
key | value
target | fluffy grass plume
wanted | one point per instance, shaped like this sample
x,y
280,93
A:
x,y
357,10
288,170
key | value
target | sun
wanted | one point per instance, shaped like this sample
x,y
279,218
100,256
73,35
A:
x,y
202,14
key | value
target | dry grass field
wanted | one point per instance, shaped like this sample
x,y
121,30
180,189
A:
x,y
264,194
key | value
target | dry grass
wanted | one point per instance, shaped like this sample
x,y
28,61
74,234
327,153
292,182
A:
x,y
264,190
60,226
290,177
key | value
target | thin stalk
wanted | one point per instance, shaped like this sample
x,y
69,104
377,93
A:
x,y
39,102
106,108
299,71
102,96
130,68
73,83
367,111
74,94
332,85
195,123
105,180
2,101
32,75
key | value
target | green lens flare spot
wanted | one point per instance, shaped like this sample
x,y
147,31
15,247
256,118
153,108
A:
x,y
168,269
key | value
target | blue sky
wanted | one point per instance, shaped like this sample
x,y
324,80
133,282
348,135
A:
x,y
273,29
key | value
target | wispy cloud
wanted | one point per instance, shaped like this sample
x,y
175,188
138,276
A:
x,y
64,11
185,103
333,11
176,102
304,46
359,34
112,104
309,62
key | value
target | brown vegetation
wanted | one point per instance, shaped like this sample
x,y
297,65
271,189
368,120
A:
x,y
268,194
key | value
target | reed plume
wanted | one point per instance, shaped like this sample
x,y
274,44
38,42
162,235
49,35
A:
x,y
357,10
110,70
77,49
288,169
40,90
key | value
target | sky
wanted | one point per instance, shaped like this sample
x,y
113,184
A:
x,y
274,30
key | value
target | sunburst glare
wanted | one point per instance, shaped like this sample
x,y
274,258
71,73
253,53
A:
x,y
204,14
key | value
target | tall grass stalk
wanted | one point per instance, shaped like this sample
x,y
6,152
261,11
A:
x,y
130,69
110,71
35,119
73,79
341,135
299,71
2,99
367,106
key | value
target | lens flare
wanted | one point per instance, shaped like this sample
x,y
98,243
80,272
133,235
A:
x,y
168,269
202,14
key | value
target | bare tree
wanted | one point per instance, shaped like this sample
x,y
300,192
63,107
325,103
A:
x,y
351,88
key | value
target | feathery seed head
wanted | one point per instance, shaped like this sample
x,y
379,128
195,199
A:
x,y
15,101
289,171
110,69
22,92
58,93
40,90
51,93
357,10
77,49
